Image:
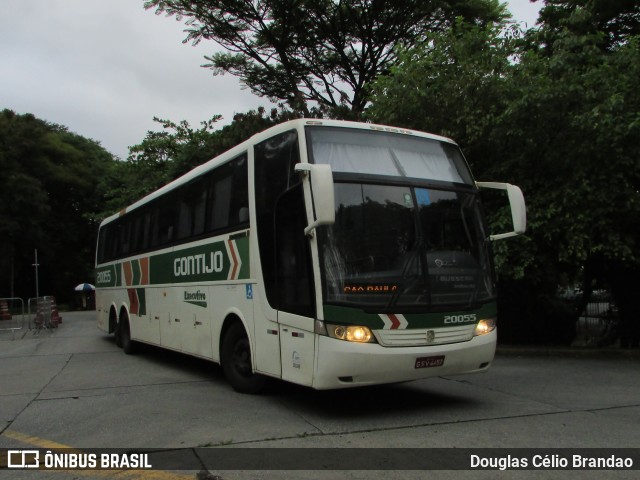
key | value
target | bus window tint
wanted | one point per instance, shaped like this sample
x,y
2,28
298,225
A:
x,y
166,216
275,160
191,210
208,205
228,195
220,203
123,238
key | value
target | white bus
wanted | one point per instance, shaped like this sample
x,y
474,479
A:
x,y
325,253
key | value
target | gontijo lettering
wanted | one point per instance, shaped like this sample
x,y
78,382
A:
x,y
197,264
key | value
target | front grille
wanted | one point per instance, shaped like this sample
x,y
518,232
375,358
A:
x,y
416,337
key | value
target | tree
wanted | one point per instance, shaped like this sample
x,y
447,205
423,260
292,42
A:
x,y
317,57
49,198
453,83
615,21
560,120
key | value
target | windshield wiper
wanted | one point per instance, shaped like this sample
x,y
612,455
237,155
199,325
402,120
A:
x,y
395,296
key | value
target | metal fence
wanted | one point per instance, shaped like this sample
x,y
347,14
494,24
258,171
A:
x,y
12,315
598,322
43,313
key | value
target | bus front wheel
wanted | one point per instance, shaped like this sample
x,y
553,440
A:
x,y
236,361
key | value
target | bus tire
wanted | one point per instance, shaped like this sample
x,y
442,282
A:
x,y
235,356
113,323
128,345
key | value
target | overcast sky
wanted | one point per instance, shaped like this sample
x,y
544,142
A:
x,y
105,68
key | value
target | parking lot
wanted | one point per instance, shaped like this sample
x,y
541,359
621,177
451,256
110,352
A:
x,y
73,388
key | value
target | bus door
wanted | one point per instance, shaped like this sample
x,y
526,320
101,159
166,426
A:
x,y
295,288
284,258
170,321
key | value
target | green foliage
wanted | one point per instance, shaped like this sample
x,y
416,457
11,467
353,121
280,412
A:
x,y
554,110
452,83
564,127
50,197
318,57
614,21
580,166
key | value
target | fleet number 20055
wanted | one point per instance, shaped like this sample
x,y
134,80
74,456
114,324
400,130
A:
x,y
468,318
104,276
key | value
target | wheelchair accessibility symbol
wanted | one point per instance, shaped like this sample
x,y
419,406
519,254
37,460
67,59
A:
x,y
249,291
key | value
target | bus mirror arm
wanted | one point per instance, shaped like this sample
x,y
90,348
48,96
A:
x,y
518,208
322,195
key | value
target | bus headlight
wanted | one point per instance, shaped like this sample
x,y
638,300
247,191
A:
x,y
485,326
350,333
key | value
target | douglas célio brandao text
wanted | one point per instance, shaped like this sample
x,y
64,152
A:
x,y
550,461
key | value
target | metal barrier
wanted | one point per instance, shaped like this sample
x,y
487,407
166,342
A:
x,y
12,314
43,313
598,322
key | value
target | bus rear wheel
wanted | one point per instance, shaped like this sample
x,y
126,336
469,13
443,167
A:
x,y
128,345
115,328
236,361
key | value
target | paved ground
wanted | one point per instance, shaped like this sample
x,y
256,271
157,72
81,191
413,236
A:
x,y
73,387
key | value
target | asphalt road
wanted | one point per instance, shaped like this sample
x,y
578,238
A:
x,y
73,388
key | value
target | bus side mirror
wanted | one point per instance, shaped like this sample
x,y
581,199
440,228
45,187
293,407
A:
x,y
321,181
518,209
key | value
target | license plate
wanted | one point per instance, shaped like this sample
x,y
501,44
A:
x,y
428,362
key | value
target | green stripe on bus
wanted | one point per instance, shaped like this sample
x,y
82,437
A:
x,y
218,261
204,263
137,272
108,276
142,301
243,250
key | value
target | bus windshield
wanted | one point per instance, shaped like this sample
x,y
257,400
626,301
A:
x,y
388,154
397,243
395,247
